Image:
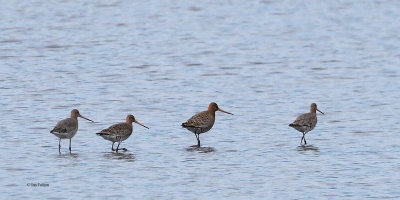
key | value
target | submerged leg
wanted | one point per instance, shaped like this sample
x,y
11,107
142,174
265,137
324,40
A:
x,y
70,145
59,146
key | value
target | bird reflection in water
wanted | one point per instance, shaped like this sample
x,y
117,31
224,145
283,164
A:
x,y
307,148
130,157
67,155
201,149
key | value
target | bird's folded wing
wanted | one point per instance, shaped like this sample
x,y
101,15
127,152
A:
x,y
117,129
199,120
303,120
64,126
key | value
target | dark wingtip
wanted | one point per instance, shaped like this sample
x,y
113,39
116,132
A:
x,y
101,134
183,124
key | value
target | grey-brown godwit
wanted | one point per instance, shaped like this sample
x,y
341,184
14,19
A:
x,y
119,132
306,122
67,128
203,121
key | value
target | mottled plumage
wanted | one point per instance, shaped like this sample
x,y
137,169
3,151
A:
x,y
306,122
203,121
67,128
119,132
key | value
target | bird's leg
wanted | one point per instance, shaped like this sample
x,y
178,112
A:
x,y
59,146
70,145
112,147
118,146
301,141
198,140
305,142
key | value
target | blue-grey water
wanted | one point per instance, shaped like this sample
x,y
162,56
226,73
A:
x,y
163,61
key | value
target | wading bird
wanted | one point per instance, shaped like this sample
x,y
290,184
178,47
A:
x,y
67,128
306,122
119,132
203,121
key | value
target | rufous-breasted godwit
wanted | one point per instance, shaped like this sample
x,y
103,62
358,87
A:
x,y
119,132
203,121
67,128
306,122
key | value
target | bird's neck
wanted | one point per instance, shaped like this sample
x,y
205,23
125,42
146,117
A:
x,y
129,122
212,113
74,117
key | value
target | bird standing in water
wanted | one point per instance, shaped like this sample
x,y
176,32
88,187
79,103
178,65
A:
x,y
119,132
203,121
67,128
306,122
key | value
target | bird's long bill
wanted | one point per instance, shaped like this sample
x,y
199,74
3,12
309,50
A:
x,y
141,124
86,118
224,111
320,111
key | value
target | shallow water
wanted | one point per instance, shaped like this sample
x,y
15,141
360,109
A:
x,y
163,61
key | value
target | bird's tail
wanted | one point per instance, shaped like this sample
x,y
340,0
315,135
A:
x,y
58,130
101,134
185,125
294,125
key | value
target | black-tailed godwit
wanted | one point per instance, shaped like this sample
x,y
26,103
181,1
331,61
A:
x,y
306,122
67,128
119,132
203,121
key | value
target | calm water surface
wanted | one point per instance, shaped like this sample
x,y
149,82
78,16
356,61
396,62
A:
x,y
163,61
